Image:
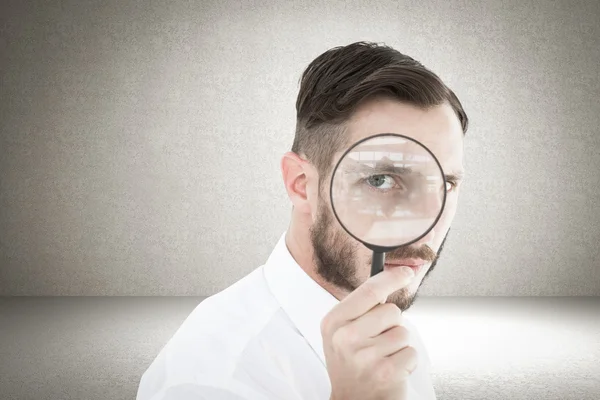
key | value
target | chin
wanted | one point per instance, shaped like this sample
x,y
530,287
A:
x,y
403,299
415,285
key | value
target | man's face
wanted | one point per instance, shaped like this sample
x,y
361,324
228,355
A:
x,y
346,263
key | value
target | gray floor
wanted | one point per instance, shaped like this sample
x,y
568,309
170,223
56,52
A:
x,y
89,348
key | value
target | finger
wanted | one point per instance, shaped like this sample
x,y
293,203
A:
x,y
405,360
379,319
361,332
387,344
371,293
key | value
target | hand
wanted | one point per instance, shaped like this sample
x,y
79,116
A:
x,y
366,346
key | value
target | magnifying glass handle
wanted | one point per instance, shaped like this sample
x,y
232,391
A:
x,y
377,264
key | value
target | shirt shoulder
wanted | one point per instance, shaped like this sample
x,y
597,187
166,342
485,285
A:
x,y
212,341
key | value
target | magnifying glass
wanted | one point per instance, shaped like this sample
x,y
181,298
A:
x,y
387,191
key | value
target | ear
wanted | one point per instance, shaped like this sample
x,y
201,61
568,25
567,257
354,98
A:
x,y
299,176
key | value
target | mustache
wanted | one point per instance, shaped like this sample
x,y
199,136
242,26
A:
x,y
424,252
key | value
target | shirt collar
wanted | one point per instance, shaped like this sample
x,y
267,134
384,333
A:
x,y
303,300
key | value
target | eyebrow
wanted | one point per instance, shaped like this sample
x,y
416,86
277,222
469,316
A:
x,y
388,168
455,176
379,168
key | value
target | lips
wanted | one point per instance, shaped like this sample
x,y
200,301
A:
x,y
414,263
411,262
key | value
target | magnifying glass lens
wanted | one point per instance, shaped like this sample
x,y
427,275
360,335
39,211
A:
x,y
388,191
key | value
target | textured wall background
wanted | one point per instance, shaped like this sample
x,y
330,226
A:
x,y
140,141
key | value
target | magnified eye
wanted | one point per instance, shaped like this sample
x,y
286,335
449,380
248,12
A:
x,y
384,183
381,181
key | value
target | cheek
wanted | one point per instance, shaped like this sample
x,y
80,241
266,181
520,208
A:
x,y
450,208
314,204
364,258
446,219
320,204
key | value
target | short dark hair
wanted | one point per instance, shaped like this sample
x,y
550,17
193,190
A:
x,y
339,80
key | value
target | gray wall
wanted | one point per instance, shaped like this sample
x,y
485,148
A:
x,y
140,141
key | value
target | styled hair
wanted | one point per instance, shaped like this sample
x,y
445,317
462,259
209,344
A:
x,y
339,80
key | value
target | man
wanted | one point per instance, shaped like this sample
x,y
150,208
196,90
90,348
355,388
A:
x,y
311,324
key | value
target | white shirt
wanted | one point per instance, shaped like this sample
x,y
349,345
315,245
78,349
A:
x,y
258,339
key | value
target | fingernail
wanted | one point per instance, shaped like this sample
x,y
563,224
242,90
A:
x,y
407,271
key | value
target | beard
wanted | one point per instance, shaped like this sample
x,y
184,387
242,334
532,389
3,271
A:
x,y
335,256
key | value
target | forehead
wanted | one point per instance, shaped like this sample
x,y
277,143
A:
x,y
438,128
